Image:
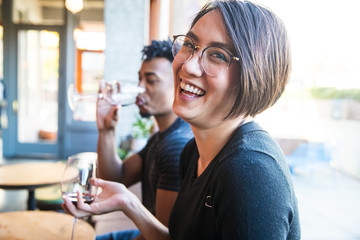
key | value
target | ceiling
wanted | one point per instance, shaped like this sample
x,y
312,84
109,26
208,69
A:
x,y
52,12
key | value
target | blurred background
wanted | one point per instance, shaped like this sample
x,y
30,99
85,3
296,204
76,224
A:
x,y
47,45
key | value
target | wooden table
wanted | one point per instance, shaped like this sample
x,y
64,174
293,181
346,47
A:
x,y
30,175
44,225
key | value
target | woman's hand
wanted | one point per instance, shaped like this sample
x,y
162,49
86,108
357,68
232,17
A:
x,y
116,197
113,197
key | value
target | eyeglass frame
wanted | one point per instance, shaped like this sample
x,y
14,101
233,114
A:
x,y
232,57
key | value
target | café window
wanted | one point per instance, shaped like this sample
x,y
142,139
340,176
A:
x,y
38,12
90,70
90,63
89,36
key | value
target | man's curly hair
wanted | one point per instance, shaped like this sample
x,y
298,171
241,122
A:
x,y
158,49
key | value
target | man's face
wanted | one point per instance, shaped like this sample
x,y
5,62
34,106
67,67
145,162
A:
x,y
156,77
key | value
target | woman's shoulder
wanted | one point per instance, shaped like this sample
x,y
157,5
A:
x,y
252,153
249,170
251,144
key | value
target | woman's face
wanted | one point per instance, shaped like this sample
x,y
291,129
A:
x,y
211,102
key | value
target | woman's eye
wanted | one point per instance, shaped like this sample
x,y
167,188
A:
x,y
218,57
188,44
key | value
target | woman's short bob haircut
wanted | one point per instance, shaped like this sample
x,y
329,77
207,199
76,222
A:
x,y
260,41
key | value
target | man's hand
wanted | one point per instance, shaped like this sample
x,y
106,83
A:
x,y
106,115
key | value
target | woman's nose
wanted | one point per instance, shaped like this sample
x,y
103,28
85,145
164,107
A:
x,y
193,65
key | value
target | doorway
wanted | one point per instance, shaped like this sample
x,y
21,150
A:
x,y
36,105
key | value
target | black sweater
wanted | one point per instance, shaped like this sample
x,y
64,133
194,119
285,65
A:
x,y
246,192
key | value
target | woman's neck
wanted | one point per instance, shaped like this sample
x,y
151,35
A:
x,y
211,141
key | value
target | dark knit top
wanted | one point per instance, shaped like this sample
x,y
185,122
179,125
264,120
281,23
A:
x,y
245,192
160,168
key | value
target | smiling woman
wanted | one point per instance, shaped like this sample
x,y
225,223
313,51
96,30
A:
x,y
232,161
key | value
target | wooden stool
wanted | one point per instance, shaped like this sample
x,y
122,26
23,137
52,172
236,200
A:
x,y
44,225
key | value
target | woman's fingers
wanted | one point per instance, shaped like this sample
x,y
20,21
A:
x,y
63,205
81,205
69,207
99,182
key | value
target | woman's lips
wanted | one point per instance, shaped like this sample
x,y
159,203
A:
x,y
191,90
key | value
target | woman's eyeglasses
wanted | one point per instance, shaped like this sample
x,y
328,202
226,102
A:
x,y
214,60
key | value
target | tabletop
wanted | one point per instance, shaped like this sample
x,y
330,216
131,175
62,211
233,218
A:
x,y
45,225
30,174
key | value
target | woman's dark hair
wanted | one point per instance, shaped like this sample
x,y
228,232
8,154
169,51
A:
x,y
158,49
260,41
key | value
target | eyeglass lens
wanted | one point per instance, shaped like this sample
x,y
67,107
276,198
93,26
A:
x,y
214,60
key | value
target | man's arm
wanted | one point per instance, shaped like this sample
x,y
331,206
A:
x,y
110,166
165,200
164,203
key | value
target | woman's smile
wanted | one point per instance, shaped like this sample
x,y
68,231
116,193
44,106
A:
x,y
191,90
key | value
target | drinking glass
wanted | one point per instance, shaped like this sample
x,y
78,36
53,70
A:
x,y
117,93
114,92
78,172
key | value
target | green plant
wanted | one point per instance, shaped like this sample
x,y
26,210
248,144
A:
x,y
122,152
141,128
334,93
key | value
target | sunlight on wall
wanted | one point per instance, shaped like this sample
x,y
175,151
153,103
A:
x,y
183,13
89,40
325,39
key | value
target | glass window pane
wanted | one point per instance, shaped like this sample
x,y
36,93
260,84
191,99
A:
x,y
89,37
1,52
1,45
38,12
92,69
3,102
38,76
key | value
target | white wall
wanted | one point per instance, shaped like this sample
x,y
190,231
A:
x,y
125,34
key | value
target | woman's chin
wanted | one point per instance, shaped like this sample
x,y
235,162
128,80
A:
x,y
182,112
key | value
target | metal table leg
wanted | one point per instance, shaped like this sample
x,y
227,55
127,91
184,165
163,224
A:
x,y
31,202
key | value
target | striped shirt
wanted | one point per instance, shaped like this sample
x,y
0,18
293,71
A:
x,y
160,168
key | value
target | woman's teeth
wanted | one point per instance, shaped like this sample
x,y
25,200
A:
x,y
191,89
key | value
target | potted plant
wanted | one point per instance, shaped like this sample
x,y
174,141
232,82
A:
x,y
141,130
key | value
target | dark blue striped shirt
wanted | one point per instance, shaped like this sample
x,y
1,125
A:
x,y
160,168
